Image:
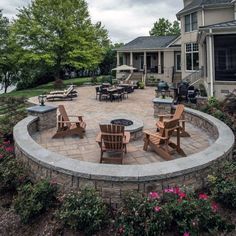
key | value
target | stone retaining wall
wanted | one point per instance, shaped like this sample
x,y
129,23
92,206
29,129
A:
x,y
112,181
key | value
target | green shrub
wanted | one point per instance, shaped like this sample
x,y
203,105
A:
x,y
195,215
173,211
141,85
213,103
223,185
94,80
84,211
142,215
33,200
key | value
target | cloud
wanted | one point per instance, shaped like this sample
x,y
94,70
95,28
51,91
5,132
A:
x,y
124,19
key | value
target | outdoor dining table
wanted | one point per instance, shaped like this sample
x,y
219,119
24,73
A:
x,y
112,91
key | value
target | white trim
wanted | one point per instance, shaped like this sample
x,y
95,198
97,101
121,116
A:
x,y
177,54
179,37
211,64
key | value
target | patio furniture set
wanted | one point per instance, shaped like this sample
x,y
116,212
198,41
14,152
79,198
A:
x,y
113,139
113,93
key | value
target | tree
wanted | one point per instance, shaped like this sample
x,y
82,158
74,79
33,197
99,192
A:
x,y
109,60
164,27
8,63
59,33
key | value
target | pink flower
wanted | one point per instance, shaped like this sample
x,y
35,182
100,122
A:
x,y
214,207
203,196
175,190
6,142
182,195
186,234
157,208
121,230
154,195
9,149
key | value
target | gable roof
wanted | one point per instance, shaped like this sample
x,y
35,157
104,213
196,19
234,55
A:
x,y
148,42
196,4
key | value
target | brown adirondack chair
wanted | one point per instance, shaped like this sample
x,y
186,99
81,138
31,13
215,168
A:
x,y
160,141
113,140
179,114
66,127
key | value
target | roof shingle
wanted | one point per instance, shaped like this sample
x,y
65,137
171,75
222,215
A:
x,y
149,42
199,3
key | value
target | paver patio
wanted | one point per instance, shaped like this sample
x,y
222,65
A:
x,y
138,105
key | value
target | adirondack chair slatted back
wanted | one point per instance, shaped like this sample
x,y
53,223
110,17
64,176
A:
x,y
178,111
112,137
63,115
169,127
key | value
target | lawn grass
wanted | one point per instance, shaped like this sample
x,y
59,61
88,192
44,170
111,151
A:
x,y
46,88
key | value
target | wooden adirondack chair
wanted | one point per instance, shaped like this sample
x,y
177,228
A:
x,y
113,139
179,114
65,127
160,141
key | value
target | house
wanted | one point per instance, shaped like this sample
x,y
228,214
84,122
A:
x,y
152,56
208,44
205,53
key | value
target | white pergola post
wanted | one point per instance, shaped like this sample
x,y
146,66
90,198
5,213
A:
x,y
131,58
145,66
117,59
159,62
211,64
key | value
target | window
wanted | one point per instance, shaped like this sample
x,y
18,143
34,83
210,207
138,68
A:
x,y
191,22
178,62
192,57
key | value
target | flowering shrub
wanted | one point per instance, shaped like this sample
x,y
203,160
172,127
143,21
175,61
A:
x,y
32,200
84,211
12,173
142,215
196,214
223,185
171,211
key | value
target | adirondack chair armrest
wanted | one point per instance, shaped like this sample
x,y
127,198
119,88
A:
x,y
166,115
65,122
79,117
158,136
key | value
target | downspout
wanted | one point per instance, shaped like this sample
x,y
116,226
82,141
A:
x,y
203,17
235,10
211,63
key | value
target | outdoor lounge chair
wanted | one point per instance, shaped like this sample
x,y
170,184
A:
x,y
63,96
179,114
160,141
73,93
66,127
113,139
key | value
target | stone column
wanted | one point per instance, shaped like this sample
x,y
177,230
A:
x,y
159,62
47,116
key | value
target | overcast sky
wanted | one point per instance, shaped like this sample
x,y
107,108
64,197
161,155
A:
x,y
124,19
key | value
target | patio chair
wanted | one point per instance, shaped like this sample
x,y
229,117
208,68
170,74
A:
x,y
63,96
113,140
73,93
179,114
66,127
160,141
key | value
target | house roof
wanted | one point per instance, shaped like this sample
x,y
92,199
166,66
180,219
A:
x,y
228,24
195,4
148,42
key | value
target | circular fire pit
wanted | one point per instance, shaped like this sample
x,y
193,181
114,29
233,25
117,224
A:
x,y
132,125
123,122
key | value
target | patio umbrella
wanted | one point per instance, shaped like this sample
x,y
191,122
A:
x,y
124,68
